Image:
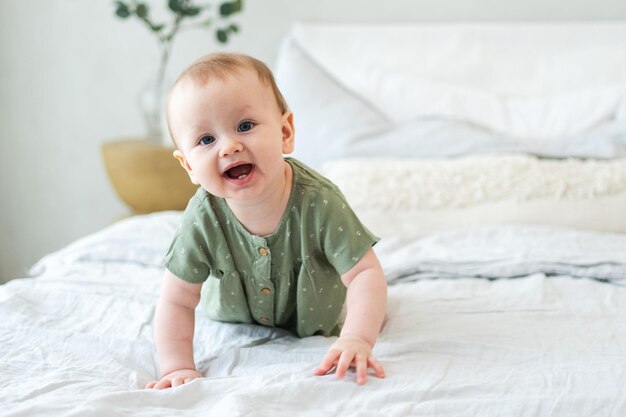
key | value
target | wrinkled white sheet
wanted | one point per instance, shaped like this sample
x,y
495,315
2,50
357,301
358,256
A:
x,y
77,340
507,252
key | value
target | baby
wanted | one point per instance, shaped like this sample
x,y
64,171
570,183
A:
x,y
266,239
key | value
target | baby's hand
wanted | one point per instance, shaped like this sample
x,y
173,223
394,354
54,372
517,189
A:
x,y
350,351
174,379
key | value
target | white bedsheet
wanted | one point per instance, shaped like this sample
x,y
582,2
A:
x,y
77,340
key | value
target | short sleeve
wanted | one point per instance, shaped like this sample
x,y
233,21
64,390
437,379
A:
x,y
344,238
187,256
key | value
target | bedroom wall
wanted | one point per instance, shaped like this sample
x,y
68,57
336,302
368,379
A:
x,y
70,73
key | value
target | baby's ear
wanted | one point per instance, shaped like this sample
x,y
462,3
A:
x,y
288,132
183,162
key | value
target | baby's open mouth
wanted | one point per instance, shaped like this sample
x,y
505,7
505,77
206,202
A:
x,y
239,172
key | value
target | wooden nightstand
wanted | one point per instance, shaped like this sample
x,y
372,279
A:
x,y
146,176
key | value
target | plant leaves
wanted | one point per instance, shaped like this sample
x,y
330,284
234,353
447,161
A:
x,y
226,9
232,7
192,11
142,10
175,5
182,9
222,36
122,10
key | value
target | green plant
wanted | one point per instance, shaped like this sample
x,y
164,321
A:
x,y
185,14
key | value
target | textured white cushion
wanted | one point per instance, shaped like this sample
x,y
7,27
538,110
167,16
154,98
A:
x,y
418,197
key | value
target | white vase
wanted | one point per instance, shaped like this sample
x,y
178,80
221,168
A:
x,y
151,100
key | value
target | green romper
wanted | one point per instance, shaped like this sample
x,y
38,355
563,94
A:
x,y
288,279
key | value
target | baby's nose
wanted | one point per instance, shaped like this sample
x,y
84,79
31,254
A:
x,y
230,146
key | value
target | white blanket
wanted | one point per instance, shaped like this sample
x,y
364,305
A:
x,y
508,252
77,340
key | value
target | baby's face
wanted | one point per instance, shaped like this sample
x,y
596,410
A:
x,y
231,135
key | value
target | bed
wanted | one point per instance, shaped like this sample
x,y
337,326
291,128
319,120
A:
x,y
490,158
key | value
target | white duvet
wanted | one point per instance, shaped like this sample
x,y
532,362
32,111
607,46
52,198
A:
x,y
77,339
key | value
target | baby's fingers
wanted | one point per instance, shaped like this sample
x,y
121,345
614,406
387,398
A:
x,y
163,383
179,380
151,384
344,363
376,366
361,368
328,362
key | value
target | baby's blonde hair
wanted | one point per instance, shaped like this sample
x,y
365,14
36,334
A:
x,y
223,64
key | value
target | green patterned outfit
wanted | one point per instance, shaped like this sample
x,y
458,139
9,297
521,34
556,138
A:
x,y
288,279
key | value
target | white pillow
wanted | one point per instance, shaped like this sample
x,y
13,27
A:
x,y
410,197
327,117
452,90
548,117
526,80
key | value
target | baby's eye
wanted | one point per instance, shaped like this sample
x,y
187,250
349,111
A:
x,y
206,140
245,126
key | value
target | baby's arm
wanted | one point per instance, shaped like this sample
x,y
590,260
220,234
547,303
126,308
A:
x,y
366,305
173,331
